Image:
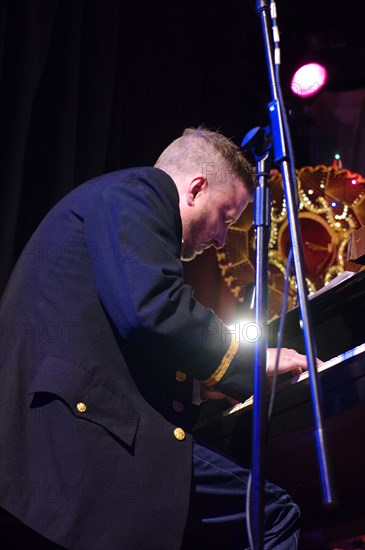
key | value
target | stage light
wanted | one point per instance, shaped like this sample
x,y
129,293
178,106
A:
x,y
308,80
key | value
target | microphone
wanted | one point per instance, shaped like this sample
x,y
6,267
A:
x,y
258,141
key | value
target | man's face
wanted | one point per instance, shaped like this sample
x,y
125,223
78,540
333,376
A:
x,y
209,214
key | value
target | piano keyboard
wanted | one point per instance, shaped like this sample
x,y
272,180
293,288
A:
x,y
331,362
304,376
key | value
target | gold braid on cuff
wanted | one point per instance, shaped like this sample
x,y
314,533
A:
x,y
224,365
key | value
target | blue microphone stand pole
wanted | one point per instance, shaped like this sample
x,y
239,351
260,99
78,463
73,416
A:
x,y
283,157
258,141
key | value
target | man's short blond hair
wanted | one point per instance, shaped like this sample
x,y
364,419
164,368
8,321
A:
x,y
208,152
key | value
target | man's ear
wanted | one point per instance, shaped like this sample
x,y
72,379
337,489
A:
x,y
196,185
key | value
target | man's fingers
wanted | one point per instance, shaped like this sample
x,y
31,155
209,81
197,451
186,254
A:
x,y
289,361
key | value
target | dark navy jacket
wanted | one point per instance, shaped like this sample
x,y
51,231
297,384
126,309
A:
x,y
100,342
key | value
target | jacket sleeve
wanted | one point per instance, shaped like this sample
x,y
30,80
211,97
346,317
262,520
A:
x,y
133,232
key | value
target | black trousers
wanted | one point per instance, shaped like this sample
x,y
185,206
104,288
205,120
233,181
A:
x,y
217,513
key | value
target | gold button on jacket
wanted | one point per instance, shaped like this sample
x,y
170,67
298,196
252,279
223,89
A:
x,y
179,434
81,407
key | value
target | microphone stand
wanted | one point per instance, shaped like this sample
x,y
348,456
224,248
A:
x,y
281,140
259,141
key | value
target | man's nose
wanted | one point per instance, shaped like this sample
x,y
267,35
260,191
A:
x,y
221,238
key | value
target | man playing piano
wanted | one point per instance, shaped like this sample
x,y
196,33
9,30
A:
x,y
102,343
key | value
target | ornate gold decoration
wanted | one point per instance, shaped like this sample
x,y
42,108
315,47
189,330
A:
x,y
332,204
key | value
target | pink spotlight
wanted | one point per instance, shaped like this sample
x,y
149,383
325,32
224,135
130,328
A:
x,y
309,80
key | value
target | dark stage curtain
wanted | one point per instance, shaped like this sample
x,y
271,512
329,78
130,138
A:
x,y
88,87
58,73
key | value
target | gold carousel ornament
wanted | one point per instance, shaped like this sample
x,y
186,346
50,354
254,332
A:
x,y
331,206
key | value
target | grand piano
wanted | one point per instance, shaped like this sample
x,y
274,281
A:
x,y
291,460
